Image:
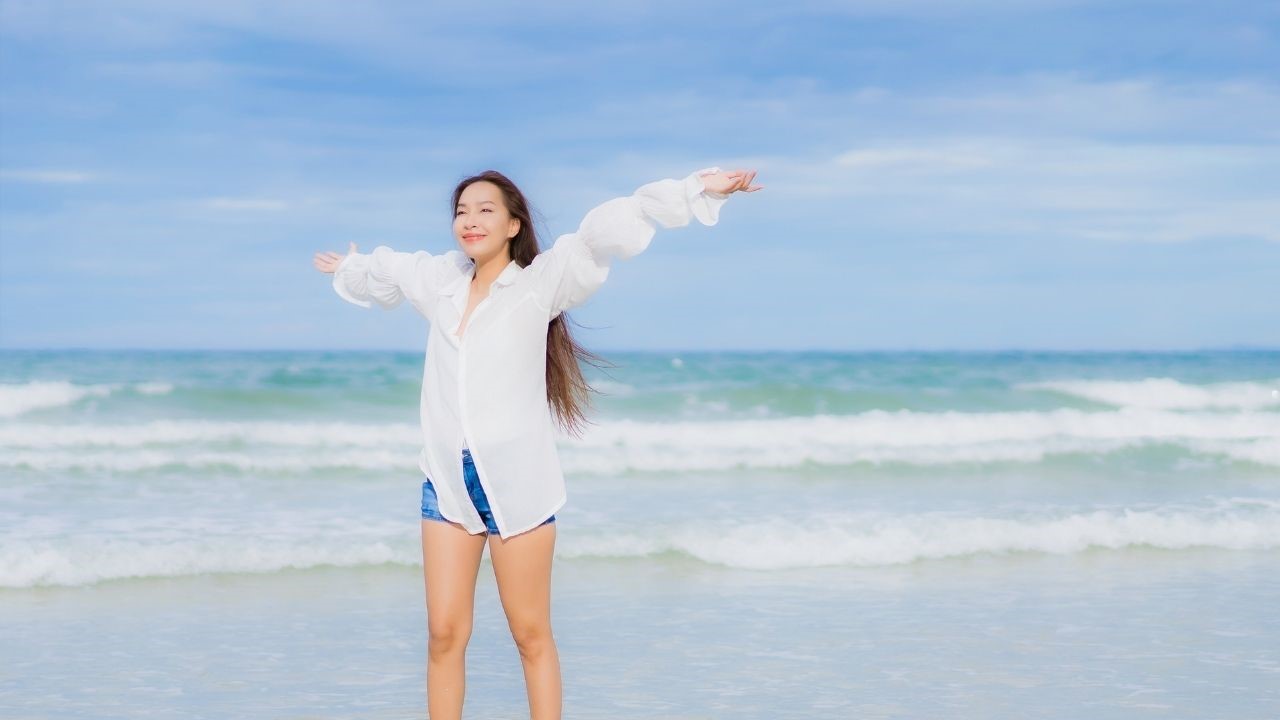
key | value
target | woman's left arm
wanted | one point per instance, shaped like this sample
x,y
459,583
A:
x,y
577,264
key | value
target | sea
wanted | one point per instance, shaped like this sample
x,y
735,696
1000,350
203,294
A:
x,y
236,534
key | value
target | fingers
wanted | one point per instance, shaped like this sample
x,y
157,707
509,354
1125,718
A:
x,y
740,179
745,184
327,261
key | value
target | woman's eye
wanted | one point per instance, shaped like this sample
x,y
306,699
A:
x,y
487,210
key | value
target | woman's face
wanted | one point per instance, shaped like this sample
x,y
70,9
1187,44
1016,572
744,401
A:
x,y
481,223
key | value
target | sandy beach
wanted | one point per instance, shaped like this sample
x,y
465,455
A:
x,y
1158,635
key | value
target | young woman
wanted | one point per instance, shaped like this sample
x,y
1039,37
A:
x,y
500,361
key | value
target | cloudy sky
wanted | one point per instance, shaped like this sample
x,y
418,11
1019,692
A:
x,y
939,175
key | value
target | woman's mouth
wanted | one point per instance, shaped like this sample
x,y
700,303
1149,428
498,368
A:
x,y
472,238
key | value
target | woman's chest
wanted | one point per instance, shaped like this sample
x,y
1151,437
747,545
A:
x,y
472,302
508,316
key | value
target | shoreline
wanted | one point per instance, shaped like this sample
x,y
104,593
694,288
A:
x,y
1130,634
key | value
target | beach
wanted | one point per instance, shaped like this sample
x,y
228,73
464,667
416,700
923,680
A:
x,y
747,536
1160,634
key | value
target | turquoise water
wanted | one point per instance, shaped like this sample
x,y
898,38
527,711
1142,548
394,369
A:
x,y
860,509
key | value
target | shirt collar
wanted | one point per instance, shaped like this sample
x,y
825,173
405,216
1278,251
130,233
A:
x,y
468,267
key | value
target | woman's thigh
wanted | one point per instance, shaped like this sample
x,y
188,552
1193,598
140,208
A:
x,y
522,566
450,566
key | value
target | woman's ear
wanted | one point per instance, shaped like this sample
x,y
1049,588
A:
x,y
513,228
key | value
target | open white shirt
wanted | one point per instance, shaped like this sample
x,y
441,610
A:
x,y
488,390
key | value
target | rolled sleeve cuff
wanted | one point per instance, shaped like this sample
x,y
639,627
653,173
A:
x,y
704,204
352,266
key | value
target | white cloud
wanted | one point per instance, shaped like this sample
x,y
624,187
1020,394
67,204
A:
x,y
189,73
429,41
804,111
1046,186
1030,156
50,177
227,203
959,156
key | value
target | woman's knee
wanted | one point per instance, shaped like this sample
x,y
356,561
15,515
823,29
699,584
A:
x,y
533,639
447,636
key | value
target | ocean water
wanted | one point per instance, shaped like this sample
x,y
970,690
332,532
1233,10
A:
x,y
986,535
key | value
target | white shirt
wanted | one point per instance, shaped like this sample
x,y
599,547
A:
x,y
488,390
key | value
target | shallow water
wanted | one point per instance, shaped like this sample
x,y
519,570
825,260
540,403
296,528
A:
x,y
1156,634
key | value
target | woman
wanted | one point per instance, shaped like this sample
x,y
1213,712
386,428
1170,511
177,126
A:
x,y
499,361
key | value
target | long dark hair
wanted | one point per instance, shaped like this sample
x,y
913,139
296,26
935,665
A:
x,y
567,389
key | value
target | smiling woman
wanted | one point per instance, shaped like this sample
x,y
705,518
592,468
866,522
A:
x,y
500,366
486,207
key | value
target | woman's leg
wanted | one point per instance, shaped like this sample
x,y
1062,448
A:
x,y
522,565
450,565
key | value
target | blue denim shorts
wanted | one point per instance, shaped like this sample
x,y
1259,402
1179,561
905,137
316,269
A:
x,y
431,504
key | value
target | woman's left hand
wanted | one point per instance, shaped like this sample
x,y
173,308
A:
x,y
729,182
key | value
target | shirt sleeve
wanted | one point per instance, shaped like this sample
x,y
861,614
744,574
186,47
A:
x,y
385,277
576,266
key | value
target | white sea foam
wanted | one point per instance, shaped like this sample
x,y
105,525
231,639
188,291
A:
x,y
29,564
36,551
866,539
41,553
1262,451
20,398
613,387
915,438
17,399
617,446
1167,393
154,388
159,433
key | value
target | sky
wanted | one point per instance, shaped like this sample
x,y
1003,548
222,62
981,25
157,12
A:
x,y
987,175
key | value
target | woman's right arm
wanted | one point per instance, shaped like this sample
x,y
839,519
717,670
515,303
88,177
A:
x,y
386,277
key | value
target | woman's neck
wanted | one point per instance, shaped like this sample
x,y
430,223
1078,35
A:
x,y
488,269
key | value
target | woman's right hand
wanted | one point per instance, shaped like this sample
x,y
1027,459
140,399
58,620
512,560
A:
x,y
327,262
730,182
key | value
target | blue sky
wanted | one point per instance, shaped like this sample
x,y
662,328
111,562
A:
x,y
939,175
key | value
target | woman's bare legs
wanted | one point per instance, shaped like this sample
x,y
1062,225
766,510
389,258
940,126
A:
x,y
522,565
450,565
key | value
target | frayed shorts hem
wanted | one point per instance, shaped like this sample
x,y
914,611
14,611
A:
x,y
431,504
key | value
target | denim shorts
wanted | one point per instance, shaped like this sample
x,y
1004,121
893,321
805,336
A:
x,y
431,505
